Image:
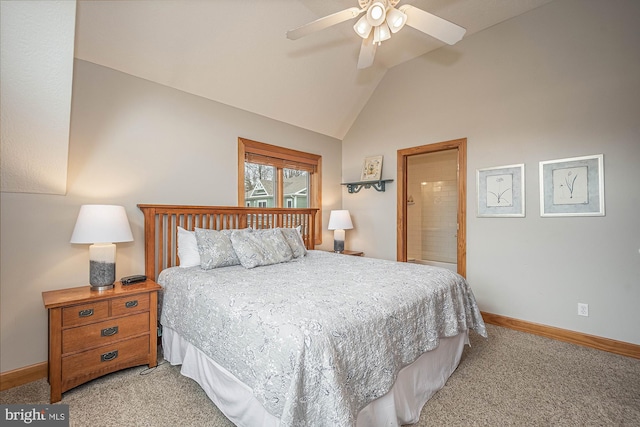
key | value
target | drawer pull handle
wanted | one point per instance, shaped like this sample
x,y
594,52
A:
x,y
86,313
107,332
109,356
131,304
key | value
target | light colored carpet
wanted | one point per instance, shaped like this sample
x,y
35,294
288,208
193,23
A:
x,y
510,379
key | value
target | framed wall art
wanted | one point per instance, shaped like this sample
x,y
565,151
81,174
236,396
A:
x,y
501,191
572,186
372,169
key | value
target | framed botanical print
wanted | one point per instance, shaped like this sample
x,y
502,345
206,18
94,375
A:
x,y
500,191
572,186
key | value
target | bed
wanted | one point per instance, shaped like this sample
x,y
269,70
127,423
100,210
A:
x,y
316,339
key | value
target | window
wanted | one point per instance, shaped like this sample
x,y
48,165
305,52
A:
x,y
259,188
272,176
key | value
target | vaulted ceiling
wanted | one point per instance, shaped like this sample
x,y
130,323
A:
x,y
235,51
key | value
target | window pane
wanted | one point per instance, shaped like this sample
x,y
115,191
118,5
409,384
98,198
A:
x,y
296,188
259,185
253,153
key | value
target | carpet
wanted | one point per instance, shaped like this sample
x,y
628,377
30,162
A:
x,y
510,379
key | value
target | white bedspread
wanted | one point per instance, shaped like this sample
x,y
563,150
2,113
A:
x,y
320,337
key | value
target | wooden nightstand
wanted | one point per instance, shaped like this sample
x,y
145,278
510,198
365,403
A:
x,y
93,333
352,253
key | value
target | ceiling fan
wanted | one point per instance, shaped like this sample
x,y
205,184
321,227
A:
x,y
381,19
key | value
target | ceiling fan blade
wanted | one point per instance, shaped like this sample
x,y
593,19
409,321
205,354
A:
x,y
322,23
433,25
367,53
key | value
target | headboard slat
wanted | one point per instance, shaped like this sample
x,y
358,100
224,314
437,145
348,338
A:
x,y
161,226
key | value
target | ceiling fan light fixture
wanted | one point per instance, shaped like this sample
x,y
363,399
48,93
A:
x,y
381,18
396,19
381,33
376,14
362,27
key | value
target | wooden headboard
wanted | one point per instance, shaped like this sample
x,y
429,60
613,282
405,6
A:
x,y
161,227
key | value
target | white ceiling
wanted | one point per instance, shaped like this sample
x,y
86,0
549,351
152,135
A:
x,y
236,52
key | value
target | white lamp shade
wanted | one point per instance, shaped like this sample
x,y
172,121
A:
x,y
362,27
396,20
376,14
340,220
102,224
381,33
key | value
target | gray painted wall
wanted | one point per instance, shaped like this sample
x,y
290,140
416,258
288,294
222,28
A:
x,y
560,81
132,141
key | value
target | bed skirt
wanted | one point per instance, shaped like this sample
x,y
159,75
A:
x,y
415,384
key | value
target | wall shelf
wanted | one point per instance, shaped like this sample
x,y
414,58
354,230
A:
x,y
354,187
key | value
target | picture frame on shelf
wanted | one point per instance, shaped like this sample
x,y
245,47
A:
x,y
372,169
572,187
500,191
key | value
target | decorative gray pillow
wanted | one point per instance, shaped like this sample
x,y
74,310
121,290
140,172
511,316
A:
x,y
215,249
294,239
260,247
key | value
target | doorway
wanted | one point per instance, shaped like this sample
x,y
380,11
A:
x,y
432,205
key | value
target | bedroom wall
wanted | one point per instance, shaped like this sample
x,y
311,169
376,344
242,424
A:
x,y
132,141
36,42
560,81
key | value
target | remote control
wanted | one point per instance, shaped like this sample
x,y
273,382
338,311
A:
x,y
128,280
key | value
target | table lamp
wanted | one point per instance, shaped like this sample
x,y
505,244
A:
x,y
102,226
339,221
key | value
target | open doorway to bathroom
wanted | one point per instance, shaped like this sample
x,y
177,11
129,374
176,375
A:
x,y
432,194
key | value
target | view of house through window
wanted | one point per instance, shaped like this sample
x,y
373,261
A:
x,y
261,186
296,184
272,176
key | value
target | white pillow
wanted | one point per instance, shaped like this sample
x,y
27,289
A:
x,y
260,247
187,248
215,249
294,239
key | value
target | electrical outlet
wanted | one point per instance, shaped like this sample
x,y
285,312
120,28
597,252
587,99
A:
x,y
583,309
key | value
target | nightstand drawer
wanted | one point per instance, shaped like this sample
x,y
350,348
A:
x,y
86,313
103,357
131,304
83,337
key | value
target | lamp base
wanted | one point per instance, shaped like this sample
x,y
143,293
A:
x,y
338,241
102,275
102,266
101,288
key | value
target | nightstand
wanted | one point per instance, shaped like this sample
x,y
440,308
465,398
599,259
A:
x,y
93,333
352,253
